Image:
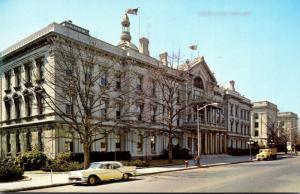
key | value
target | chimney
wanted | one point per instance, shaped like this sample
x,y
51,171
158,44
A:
x,y
144,46
164,58
231,87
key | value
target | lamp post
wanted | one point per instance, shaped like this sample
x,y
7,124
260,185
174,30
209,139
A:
x,y
250,142
198,129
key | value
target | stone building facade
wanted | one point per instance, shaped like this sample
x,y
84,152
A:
x,y
26,122
237,114
263,113
289,123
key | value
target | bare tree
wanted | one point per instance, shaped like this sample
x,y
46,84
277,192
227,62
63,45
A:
x,y
166,96
276,134
80,84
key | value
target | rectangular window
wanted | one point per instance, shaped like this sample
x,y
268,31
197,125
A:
x,y
69,145
103,81
17,109
255,116
17,72
18,143
256,133
40,141
178,97
104,109
140,143
28,141
68,109
153,143
40,68
118,81
8,146
153,88
256,124
8,80
140,111
118,142
40,103
118,111
236,111
28,106
231,109
153,116
28,69
139,85
103,146
8,109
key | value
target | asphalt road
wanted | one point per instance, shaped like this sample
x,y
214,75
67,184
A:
x,y
282,175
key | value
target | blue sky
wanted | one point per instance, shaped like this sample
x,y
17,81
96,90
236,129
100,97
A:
x,y
254,42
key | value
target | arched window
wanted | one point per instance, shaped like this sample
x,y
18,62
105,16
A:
x,y
7,102
198,83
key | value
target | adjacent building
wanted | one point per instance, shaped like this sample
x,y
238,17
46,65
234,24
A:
x,y
263,117
237,113
288,122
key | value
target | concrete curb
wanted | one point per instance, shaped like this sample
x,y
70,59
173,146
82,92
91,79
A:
x,y
35,187
145,174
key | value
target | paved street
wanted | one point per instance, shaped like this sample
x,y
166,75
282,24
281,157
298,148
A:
x,y
282,175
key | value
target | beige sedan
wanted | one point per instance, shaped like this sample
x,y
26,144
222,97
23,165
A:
x,y
102,171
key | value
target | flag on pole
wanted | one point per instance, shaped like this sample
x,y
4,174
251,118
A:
x,y
193,47
132,11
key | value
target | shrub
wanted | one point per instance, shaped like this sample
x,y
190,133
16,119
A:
x,y
56,166
103,156
178,153
137,163
9,170
32,160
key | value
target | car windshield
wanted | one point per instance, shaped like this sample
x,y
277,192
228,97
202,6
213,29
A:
x,y
94,165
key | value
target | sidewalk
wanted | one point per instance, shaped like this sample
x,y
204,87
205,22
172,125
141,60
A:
x,y
41,180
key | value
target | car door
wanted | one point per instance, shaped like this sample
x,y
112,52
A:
x,y
117,174
106,172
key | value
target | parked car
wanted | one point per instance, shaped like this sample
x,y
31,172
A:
x,y
102,171
267,154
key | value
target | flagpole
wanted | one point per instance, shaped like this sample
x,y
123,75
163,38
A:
x,y
139,23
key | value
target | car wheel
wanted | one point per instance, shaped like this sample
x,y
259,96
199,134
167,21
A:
x,y
92,180
125,177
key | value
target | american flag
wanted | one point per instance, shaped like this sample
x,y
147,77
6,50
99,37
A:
x,y
193,47
132,11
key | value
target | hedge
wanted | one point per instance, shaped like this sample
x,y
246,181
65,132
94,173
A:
x,y
10,171
31,160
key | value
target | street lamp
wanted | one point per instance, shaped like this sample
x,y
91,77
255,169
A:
x,y
198,128
250,142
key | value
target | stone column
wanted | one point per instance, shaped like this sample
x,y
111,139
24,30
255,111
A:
x,y
216,143
205,115
205,143
220,143
225,143
212,143
193,143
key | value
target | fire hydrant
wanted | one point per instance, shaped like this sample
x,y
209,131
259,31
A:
x,y
186,163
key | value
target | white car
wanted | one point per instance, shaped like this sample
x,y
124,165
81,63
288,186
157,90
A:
x,y
102,171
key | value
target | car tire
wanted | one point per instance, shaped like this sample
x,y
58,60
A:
x,y
126,176
92,180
